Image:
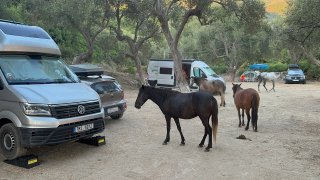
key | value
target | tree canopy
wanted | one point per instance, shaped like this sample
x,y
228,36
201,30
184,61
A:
x,y
227,34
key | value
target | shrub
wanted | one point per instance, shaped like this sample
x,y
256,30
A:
x,y
277,67
221,69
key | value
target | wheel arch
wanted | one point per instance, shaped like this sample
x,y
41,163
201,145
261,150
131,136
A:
x,y
9,117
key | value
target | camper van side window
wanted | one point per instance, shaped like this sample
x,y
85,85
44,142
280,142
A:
x,y
165,70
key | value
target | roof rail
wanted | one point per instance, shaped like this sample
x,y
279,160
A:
x,y
8,21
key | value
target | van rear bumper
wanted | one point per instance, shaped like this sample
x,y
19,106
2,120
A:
x,y
32,137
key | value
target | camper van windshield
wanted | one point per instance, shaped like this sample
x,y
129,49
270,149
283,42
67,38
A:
x,y
209,71
35,69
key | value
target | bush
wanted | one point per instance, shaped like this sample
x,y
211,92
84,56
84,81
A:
x,y
131,70
277,67
310,70
221,69
313,72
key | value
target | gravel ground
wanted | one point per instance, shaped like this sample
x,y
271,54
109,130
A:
x,y
287,145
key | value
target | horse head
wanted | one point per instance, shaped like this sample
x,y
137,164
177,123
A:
x,y
142,97
235,88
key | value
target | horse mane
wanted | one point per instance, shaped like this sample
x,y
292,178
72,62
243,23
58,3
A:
x,y
163,92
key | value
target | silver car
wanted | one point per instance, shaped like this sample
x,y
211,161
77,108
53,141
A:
x,y
42,102
108,88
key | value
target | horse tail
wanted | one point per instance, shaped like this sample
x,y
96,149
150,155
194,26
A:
x,y
254,112
214,119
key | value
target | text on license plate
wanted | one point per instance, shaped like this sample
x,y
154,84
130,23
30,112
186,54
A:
x,y
83,128
114,109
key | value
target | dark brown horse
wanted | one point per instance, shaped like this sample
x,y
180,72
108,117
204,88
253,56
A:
x,y
174,104
215,87
246,99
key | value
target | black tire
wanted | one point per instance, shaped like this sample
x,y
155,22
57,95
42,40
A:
x,y
118,116
10,142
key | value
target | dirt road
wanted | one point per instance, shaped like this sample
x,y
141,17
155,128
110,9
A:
x,y
287,145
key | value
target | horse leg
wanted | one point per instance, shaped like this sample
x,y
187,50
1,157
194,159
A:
x,y
223,102
176,120
264,85
242,117
259,85
248,117
168,120
272,86
208,129
239,116
203,138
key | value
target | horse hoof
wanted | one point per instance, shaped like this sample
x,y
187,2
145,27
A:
x,y
182,144
207,150
164,143
200,145
246,128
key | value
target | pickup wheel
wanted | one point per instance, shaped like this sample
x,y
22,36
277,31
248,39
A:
x,y
10,143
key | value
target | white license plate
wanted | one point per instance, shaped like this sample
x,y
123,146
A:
x,y
114,109
295,80
82,128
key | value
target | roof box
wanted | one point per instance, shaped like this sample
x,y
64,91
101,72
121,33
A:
x,y
86,69
15,37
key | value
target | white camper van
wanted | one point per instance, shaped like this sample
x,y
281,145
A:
x,y
161,72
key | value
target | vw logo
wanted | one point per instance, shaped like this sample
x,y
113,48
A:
x,y
81,109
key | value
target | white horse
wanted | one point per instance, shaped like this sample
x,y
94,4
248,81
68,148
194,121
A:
x,y
267,76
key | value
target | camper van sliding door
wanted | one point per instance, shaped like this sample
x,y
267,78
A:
x,y
166,77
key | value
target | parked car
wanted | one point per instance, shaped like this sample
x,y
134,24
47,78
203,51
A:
x,y
110,91
294,75
249,76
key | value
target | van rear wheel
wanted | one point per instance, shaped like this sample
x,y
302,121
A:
x,y
10,142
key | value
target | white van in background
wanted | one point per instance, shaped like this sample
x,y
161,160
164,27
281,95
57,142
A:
x,y
161,72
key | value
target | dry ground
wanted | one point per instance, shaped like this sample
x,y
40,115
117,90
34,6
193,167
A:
x,y
287,145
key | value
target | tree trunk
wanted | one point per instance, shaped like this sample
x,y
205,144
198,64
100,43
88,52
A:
x,y
181,82
139,69
81,58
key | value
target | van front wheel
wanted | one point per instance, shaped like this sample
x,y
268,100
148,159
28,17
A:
x,y
10,143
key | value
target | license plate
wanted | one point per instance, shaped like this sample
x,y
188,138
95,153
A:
x,y
295,80
82,128
114,109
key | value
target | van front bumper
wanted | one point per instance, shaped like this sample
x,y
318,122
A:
x,y
32,137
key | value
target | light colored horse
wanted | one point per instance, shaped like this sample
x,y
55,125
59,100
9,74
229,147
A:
x,y
215,87
267,76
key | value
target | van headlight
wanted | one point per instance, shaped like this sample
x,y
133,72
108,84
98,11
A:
x,y
36,109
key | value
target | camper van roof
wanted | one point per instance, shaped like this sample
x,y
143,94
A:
x,y
17,37
184,60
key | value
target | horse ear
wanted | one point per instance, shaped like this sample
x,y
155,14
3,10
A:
x,y
142,86
232,84
240,84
